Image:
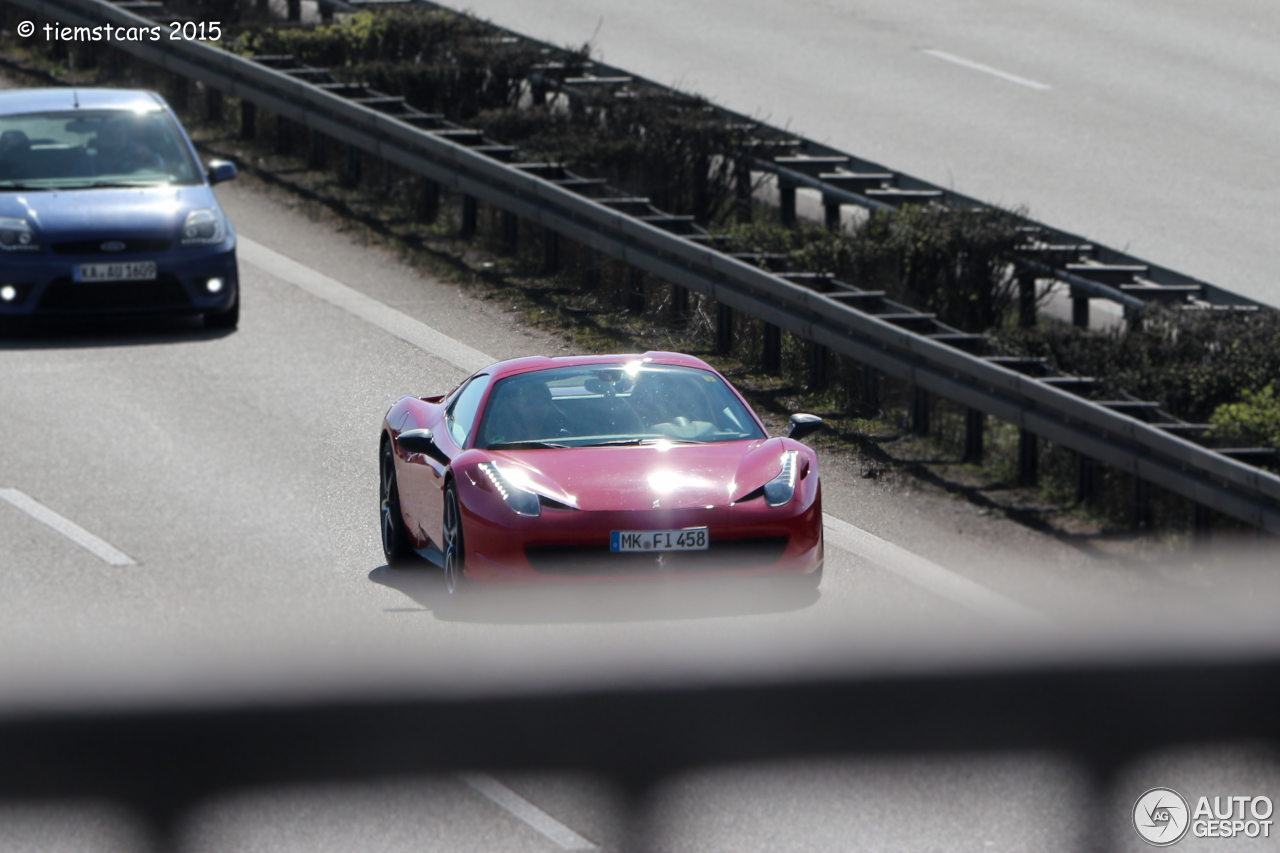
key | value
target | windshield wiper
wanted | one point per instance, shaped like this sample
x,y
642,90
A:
x,y
626,442
524,445
18,185
119,184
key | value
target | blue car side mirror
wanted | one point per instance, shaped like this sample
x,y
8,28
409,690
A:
x,y
221,170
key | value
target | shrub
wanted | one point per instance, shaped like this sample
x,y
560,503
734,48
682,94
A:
x,y
1191,362
951,262
1255,420
437,60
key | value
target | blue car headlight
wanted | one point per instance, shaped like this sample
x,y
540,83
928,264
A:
x,y
16,235
521,501
203,228
782,488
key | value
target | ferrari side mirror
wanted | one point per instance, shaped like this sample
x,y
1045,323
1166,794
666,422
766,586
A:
x,y
802,425
420,441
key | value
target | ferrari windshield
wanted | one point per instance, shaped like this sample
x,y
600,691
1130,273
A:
x,y
92,148
594,405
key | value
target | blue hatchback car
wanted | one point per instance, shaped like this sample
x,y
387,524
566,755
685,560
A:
x,y
106,209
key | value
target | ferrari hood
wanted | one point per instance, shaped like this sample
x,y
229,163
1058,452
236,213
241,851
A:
x,y
657,476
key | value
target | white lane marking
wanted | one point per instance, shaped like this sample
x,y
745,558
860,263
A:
x,y
929,575
372,311
559,834
67,528
898,560
987,69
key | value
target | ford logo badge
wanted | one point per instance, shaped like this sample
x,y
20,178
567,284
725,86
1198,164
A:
x,y
112,246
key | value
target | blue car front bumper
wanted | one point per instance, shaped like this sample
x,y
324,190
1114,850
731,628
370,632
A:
x,y
44,283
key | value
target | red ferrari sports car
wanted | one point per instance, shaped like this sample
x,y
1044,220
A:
x,y
544,469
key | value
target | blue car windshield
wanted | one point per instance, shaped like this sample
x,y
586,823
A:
x,y
594,405
93,148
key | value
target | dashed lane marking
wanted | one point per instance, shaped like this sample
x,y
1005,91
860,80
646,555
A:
x,y
517,806
68,528
987,69
370,310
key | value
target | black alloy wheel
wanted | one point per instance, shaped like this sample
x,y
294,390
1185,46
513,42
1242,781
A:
x,y
454,550
396,548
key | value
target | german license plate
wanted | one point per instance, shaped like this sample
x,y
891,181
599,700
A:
x,y
689,539
132,271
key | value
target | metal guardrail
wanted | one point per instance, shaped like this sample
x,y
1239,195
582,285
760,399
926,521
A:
x,y
1143,450
162,758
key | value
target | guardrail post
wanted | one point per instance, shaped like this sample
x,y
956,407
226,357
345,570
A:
x,y
742,188
870,388
1079,310
919,410
724,329
786,203
178,88
771,348
832,212
248,119
295,10
1028,458
212,104
284,135
1027,300
679,303
510,230
1141,503
817,365
1200,523
469,215
701,188
975,424
1084,479
428,200
354,163
635,290
316,150
550,250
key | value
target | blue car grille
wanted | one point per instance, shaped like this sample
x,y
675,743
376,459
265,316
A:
x,y
94,247
67,296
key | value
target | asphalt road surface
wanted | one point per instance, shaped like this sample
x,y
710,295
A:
x,y
1147,126
191,516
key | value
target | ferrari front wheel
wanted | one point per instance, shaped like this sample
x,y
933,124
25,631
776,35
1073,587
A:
x,y
396,547
454,549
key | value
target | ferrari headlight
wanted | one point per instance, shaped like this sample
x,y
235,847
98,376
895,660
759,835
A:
x,y
521,502
16,235
203,228
782,488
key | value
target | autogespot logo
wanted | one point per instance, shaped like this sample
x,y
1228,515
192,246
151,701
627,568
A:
x,y
1160,816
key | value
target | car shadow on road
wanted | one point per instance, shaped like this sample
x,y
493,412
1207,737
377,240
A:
x,y
106,331
624,600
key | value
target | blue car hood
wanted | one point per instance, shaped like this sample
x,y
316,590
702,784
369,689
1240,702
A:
x,y
102,213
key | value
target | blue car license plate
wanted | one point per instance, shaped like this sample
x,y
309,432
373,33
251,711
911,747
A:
x,y
122,271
